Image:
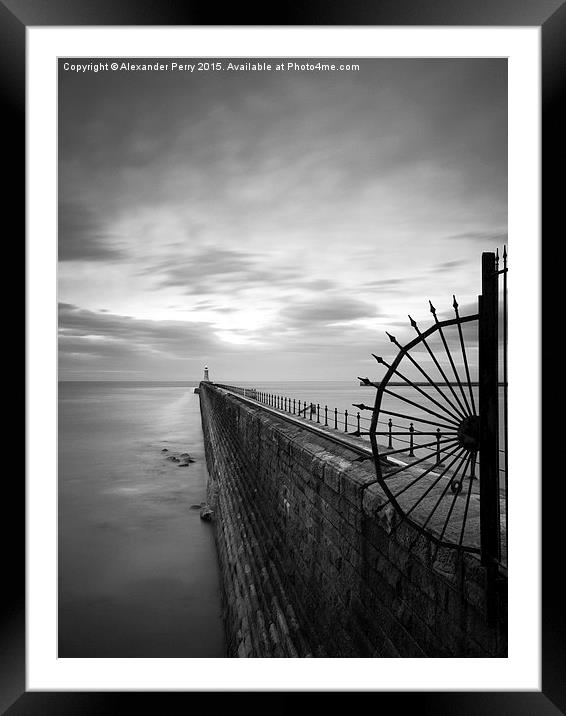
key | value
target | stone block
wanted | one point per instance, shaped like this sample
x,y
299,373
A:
x,y
354,481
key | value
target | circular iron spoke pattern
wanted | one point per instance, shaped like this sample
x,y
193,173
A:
x,y
425,430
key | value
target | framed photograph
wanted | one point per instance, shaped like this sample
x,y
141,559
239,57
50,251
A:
x,y
238,448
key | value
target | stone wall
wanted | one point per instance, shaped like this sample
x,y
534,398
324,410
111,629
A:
x,y
311,568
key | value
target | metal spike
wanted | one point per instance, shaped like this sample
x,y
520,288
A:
x,y
504,252
455,304
365,381
379,359
391,338
361,406
432,308
413,322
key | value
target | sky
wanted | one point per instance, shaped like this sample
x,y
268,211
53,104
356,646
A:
x,y
272,225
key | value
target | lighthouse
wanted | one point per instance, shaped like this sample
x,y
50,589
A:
x,y
206,379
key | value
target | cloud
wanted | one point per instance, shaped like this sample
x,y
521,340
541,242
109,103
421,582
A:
x,y
449,266
494,238
208,270
318,284
325,311
104,334
400,285
82,236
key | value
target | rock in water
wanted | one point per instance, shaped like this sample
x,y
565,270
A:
x,y
164,450
206,514
186,456
173,458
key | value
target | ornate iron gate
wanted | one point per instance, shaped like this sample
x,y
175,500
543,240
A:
x,y
435,425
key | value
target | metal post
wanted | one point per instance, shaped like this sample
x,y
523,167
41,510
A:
x,y
488,438
345,421
318,412
438,446
326,415
411,444
310,411
390,444
336,418
293,406
358,421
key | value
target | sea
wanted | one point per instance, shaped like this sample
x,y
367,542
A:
x,y
138,572
137,567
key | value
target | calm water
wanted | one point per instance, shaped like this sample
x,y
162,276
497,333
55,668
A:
x,y
138,574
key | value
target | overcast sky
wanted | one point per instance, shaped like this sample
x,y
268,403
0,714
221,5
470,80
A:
x,y
272,225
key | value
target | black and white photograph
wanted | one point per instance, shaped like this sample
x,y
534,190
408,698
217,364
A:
x,y
282,357
283,329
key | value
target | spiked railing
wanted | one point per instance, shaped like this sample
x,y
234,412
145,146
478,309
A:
x,y
430,389
322,415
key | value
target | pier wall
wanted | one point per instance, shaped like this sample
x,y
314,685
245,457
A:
x,y
309,565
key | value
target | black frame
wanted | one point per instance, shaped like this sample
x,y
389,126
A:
x,y
15,16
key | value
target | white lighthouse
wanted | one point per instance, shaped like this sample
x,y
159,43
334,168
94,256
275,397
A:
x,y
206,378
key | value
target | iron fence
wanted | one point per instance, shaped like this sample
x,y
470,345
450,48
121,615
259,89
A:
x,y
352,423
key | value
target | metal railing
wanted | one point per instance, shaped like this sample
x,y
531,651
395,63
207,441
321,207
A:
x,y
352,423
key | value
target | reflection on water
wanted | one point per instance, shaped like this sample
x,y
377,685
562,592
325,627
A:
x,y
138,575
